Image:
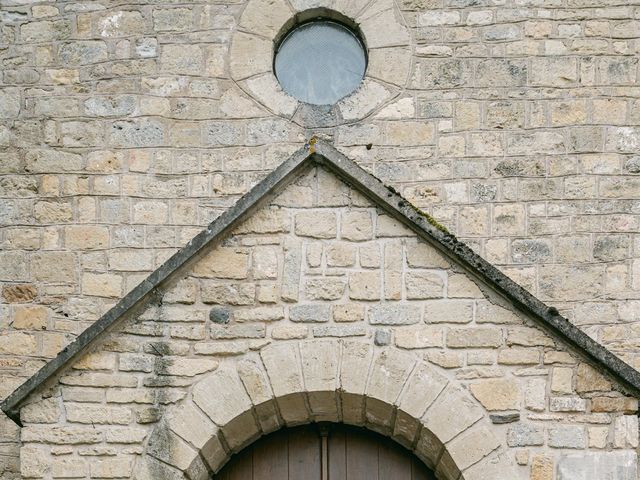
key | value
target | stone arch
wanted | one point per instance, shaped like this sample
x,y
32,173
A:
x,y
388,390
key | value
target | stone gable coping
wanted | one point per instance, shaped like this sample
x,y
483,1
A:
x,y
322,153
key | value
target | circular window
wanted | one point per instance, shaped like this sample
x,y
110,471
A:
x,y
320,62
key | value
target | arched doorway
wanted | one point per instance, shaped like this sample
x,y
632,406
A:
x,y
325,452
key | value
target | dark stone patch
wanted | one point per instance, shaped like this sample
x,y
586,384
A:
x,y
501,418
219,315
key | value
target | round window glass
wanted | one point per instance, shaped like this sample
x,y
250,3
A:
x,y
320,62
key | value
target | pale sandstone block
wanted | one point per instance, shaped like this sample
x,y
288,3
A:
x,y
341,255
497,394
354,369
562,380
324,288
230,399
364,285
170,448
451,413
356,225
419,336
283,367
320,361
316,224
288,332
192,425
424,285
349,312
390,371
472,446
423,387
223,262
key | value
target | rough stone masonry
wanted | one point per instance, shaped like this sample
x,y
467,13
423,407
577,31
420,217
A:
x,y
126,127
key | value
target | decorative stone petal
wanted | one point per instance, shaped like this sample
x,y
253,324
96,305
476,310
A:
x,y
265,17
365,100
250,55
266,89
390,65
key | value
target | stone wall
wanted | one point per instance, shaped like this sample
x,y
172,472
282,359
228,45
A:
x,y
126,127
318,307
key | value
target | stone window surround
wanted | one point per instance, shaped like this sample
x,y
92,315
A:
x,y
380,26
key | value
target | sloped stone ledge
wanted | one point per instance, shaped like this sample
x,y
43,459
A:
x,y
386,390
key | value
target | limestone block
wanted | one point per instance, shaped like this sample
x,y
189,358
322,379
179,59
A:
x,y
250,55
291,270
16,343
497,394
320,365
170,448
265,220
255,381
625,434
587,465
10,103
115,467
44,411
448,311
288,332
354,369
424,285
421,255
316,224
567,436
341,255
58,435
324,288
589,379
267,90
192,425
259,314
525,434
419,336
230,399
148,468
356,225
392,314
54,267
391,65
472,446
314,313
349,312
282,364
30,318
423,387
389,372
535,394
451,413
223,262
474,338
369,96
65,467
82,52
496,466
228,293
364,285
265,17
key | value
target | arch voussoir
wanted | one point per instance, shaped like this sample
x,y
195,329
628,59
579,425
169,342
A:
x,y
388,390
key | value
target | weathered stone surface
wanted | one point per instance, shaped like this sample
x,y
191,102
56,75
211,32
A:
x,y
497,394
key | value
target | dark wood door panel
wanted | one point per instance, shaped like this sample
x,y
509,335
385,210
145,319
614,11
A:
x,y
351,454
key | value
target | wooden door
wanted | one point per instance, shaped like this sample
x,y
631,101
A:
x,y
338,452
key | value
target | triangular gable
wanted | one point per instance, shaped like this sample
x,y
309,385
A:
x,y
386,199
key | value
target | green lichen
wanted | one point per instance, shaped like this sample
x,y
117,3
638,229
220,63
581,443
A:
x,y
432,221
